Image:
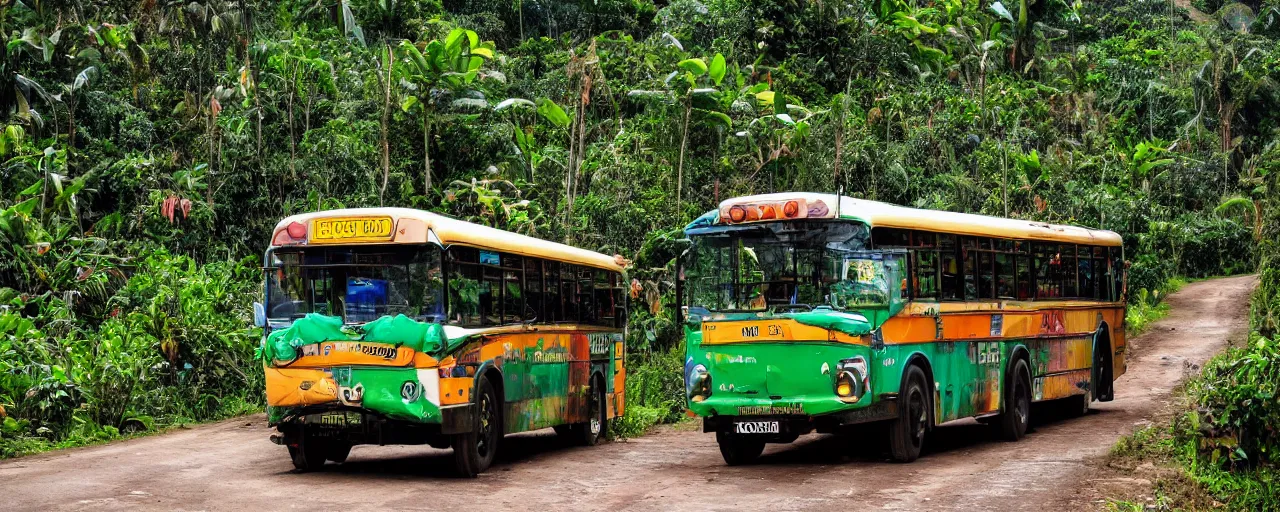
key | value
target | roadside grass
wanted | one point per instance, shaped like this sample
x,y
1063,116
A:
x,y
1218,448
1150,306
655,391
14,442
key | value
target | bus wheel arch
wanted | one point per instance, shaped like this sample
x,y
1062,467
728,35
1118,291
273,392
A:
x,y
494,375
922,361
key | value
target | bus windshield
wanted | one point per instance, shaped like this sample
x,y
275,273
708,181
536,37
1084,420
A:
x,y
786,266
359,284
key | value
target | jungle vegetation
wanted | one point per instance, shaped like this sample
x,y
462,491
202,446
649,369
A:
x,y
147,148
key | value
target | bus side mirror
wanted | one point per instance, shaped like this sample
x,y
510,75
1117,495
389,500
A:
x,y
259,315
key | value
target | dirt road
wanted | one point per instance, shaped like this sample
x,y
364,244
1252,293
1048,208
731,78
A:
x,y
231,465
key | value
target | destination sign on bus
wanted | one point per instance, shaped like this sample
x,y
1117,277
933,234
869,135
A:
x,y
351,229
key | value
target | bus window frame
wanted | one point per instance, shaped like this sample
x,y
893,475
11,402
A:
x,y
969,251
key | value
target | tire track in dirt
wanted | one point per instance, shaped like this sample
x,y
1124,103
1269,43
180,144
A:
x,y
231,466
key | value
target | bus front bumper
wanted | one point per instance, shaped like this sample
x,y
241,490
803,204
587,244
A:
x,y
393,393
793,416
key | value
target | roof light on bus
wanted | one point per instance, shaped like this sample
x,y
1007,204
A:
x,y
768,212
791,208
297,230
737,214
293,234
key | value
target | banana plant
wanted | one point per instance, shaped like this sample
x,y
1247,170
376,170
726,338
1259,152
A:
x,y
917,25
682,86
451,64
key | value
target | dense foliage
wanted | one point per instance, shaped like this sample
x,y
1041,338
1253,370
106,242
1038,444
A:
x,y
148,147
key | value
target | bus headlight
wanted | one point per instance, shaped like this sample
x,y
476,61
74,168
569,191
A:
x,y
851,379
698,383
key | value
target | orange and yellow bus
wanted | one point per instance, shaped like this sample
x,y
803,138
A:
x,y
815,312
399,326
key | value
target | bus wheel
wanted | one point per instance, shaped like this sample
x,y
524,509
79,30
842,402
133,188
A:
x,y
309,454
590,433
474,451
1017,402
738,450
337,451
906,433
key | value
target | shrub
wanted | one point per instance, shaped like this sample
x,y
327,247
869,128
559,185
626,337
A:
x,y
1238,421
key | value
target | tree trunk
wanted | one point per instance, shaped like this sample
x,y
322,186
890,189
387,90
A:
x,y
426,152
293,154
213,158
306,110
835,176
684,139
386,147
568,182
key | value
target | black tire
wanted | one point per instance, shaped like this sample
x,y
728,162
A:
x,y
474,452
1102,372
309,454
591,432
1016,415
739,450
907,431
338,451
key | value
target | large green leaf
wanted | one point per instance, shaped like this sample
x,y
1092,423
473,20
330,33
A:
x,y
453,41
765,98
409,103
513,102
552,112
35,187
717,69
419,63
695,67
718,118
1001,10
84,77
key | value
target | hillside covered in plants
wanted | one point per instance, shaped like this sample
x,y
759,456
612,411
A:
x,y
147,148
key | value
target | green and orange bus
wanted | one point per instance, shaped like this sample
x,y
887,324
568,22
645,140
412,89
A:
x,y
812,312
399,326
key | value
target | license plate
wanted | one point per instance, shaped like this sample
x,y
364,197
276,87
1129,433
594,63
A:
x,y
755,427
335,419
351,229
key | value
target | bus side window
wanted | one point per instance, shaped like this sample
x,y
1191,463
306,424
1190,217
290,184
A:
x,y
603,299
1067,270
950,283
513,277
554,305
986,275
586,294
1101,277
464,287
1117,273
1088,288
1025,281
533,295
569,293
1005,270
924,268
